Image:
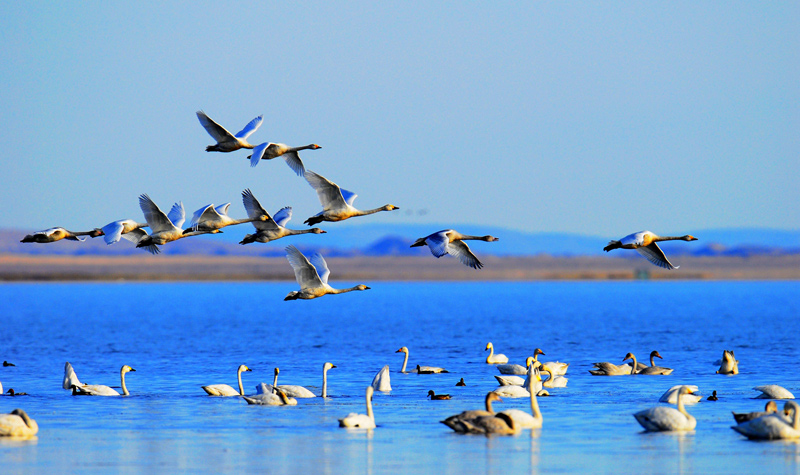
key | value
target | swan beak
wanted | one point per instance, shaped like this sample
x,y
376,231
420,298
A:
x,y
133,370
333,366
368,288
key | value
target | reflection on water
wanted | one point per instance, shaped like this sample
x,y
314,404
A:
x,y
182,336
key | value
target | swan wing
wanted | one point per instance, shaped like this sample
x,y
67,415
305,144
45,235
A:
x,y
663,418
438,243
254,210
348,196
251,127
177,215
70,378
96,390
654,254
223,209
512,391
773,391
328,192
156,218
215,130
460,250
283,216
294,162
305,272
636,239
292,390
258,153
322,267
112,232
206,213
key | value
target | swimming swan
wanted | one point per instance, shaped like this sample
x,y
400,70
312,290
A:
x,y
476,422
382,382
653,369
609,369
450,241
454,421
729,363
773,426
18,425
740,417
224,389
419,369
100,390
312,275
514,369
226,141
361,421
294,390
494,358
70,378
663,418
524,420
645,243
553,381
773,391
278,398
57,234
337,203
671,395
268,151
273,227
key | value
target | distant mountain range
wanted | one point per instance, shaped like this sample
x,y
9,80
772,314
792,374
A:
x,y
395,239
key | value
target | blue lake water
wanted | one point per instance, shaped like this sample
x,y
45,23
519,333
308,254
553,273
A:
x,y
180,336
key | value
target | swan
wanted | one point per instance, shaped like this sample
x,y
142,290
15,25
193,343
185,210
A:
x,y
312,276
483,423
210,218
461,382
653,369
514,369
278,398
450,241
610,369
361,421
663,418
165,228
224,389
337,203
740,417
128,229
272,227
524,420
773,391
268,151
494,358
419,369
773,426
645,243
382,382
100,390
553,381
294,390
70,378
558,368
18,424
533,379
510,380
729,363
227,142
671,395
453,422
437,397
57,234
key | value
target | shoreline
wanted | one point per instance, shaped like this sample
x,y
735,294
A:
x,y
199,268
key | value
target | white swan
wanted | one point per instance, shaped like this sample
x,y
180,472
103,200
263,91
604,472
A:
x,y
642,368
558,368
450,241
224,389
740,417
128,229
609,369
361,421
729,363
273,227
494,358
515,368
294,390
645,243
100,390
210,218
337,203
510,380
773,391
57,234
264,388
773,426
165,228
226,141
278,398
671,395
268,151
663,418
70,377
419,369
312,275
524,420
18,425
382,381
553,381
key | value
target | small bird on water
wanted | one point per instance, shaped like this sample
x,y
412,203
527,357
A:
x,y
713,396
438,397
461,382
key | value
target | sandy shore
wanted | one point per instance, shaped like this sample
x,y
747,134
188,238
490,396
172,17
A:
x,y
221,268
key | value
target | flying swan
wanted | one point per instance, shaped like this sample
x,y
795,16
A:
x,y
645,243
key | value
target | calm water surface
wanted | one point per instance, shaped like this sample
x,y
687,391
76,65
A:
x,y
180,336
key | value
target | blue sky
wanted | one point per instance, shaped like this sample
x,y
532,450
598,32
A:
x,y
596,118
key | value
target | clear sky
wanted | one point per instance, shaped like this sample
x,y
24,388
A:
x,y
598,118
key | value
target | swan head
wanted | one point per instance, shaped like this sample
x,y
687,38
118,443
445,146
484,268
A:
x,y
402,350
771,406
490,238
790,406
97,232
493,397
685,390
655,354
126,369
293,295
362,287
328,366
628,356
538,351
390,208
277,371
243,368
25,417
489,346
263,217
689,238
314,146
317,231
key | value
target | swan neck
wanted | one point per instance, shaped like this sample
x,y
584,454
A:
x,y
467,237
635,364
341,291
369,211
122,380
489,406
405,362
324,381
489,358
239,377
534,403
275,384
652,361
682,409
796,420
667,238
369,409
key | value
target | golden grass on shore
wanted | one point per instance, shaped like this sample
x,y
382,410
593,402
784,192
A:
x,y
15,267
